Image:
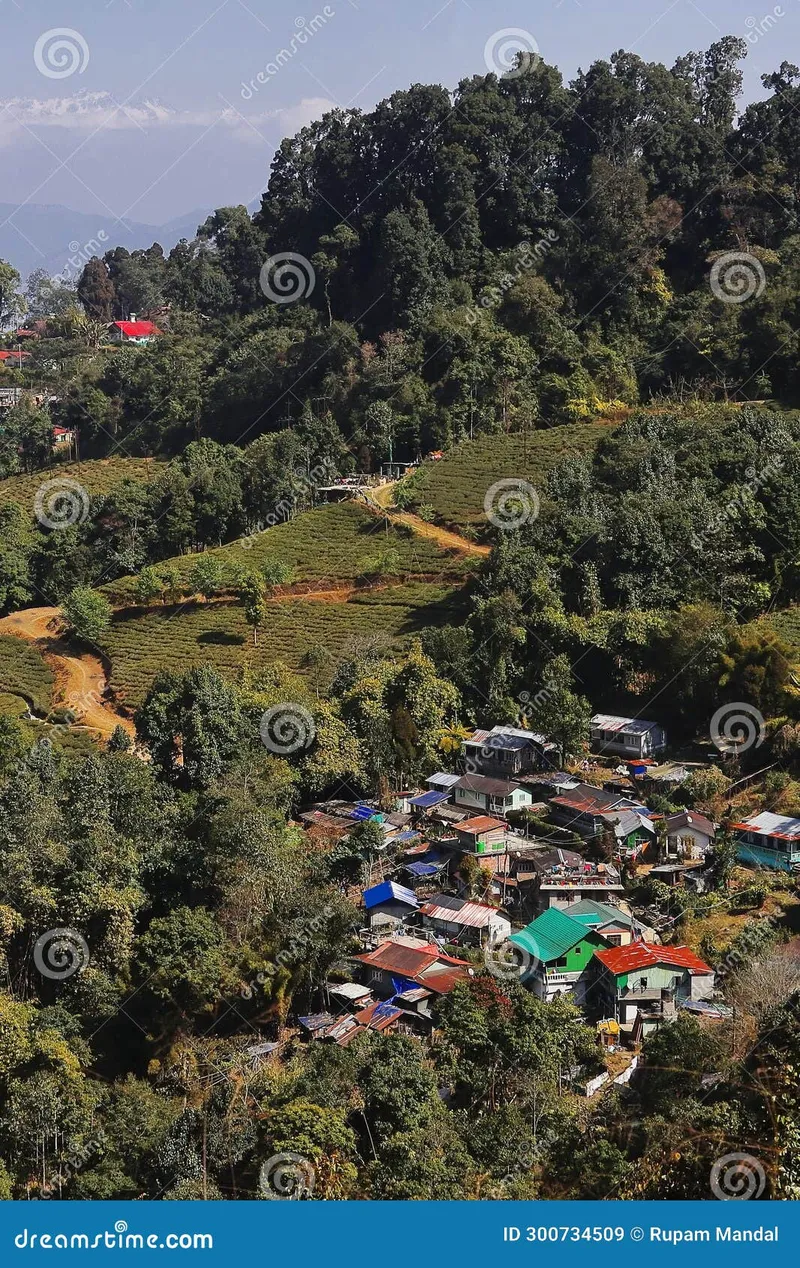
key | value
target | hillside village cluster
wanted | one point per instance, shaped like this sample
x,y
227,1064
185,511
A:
x,y
547,916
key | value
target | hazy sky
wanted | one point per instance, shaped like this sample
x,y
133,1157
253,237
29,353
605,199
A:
x,y
142,108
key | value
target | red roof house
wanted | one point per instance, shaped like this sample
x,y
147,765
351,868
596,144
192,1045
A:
x,y
403,960
134,331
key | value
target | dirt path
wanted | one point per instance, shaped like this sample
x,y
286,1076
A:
x,y
81,683
446,539
377,501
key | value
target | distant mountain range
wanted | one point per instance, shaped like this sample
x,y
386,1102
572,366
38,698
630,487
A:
x,y
55,238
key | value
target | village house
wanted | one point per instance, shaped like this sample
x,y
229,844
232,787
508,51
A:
x,y
688,835
559,878
641,985
769,840
63,439
401,964
507,752
556,952
630,737
389,903
133,331
492,796
481,834
459,920
590,811
616,926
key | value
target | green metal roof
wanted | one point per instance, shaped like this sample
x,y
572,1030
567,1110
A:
x,y
550,935
589,909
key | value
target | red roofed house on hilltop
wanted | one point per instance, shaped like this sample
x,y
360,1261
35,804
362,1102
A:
x,y
133,331
641,985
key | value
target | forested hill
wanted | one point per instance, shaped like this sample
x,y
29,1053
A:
x,y
517,249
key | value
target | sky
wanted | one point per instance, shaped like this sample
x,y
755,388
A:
x,y
151,109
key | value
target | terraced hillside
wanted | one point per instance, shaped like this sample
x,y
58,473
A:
x,y
786,624
141,644
97,477
333,543
455,486
25,677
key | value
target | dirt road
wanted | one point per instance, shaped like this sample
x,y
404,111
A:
x,y
80,678
377,500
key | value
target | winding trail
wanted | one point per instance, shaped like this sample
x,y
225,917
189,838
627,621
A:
x,y
81,682
376,500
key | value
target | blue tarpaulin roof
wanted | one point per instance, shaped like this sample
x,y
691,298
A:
x,y
406,836
387,892
423,869
385,1009
428,799
363,812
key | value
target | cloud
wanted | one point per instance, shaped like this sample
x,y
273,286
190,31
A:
x,y
87,112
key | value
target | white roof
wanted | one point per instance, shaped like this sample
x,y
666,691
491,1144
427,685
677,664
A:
x,y
769,824
610,722
349,990
443,778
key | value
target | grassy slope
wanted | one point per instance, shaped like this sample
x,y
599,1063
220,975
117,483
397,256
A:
x,y
24,674
331,543
140,644
96,477
786,624
327,547
456,485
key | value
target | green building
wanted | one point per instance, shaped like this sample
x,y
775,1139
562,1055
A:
x,y
559,951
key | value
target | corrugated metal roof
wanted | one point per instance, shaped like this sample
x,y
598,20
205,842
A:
x,y
428,799
632,726
483,784
480,823
771,825
642,955
457,911
550,935
388,892
444,778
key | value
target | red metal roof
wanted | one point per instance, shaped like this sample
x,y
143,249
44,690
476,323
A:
x,y
426,966
480,823
137,329
642,955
